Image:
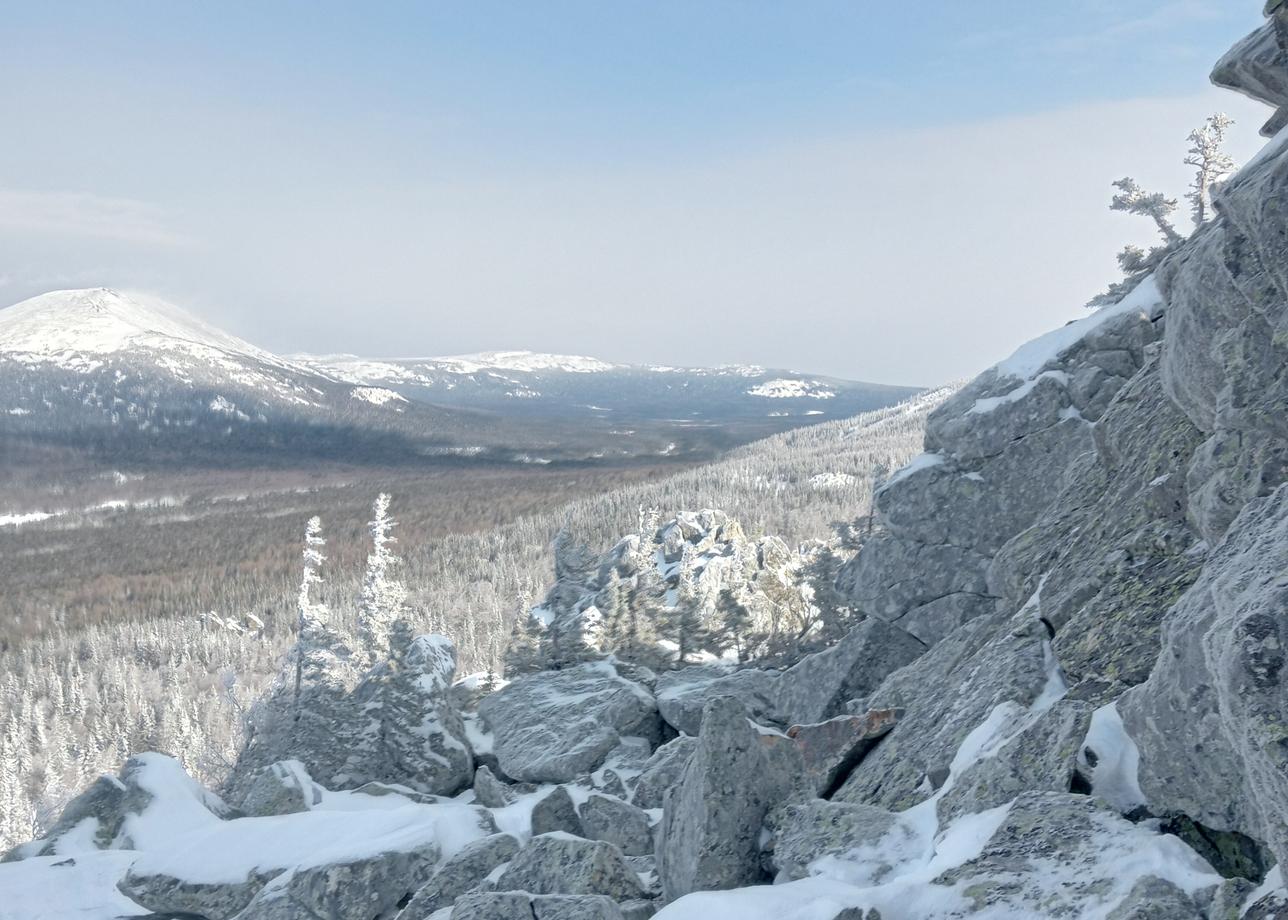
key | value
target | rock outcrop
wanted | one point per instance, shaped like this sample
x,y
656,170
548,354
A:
x,y
557,725
712,820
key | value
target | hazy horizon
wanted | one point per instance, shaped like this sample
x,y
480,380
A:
x,y
864,194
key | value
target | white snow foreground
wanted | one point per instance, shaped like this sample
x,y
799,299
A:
x,y
177,834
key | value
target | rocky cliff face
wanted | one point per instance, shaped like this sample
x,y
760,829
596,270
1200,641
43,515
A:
x,y
1068,696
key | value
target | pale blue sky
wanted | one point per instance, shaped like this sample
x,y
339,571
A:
x,y
893,190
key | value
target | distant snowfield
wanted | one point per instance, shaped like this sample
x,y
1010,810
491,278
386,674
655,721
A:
x,y
785,388
377,396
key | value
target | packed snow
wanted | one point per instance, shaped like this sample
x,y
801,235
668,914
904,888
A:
x,y
1030,358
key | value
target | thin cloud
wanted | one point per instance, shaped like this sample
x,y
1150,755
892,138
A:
x,y
82,214
1115,29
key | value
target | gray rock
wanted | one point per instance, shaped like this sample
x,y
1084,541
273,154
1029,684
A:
x,y
638,909
893,575
575,907
806,831
358,890
1043,756
955,428
103,803
460,873
281,788
928,623
682,694
1229,898
947,693
490,792
493,905
1210,720
1257,66
606,818
645,869
562,864
662,771
1153,898
1065,856
819,686
815,688
711,822
557,725
831,749
556,811
980,507
166,894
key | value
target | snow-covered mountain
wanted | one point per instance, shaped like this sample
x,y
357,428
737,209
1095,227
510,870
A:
x,y
527,383
137,373
129,373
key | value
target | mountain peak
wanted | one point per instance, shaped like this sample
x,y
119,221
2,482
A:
x,y
103,321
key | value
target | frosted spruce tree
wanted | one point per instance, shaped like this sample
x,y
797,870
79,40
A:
x,y
311,615
1211,162
1212,165
384,598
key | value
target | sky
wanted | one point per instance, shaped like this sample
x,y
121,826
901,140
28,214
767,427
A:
x,y
890,191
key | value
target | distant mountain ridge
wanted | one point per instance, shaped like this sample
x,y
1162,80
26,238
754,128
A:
x,y
128,373
528,383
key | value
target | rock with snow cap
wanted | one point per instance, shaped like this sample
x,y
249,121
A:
x,y
357,890
490,792
810,830
555,726
556,811
281,788
1068,856
460,873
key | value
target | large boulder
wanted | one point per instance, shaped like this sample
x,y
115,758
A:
x,y
712,821
557,725
563,864
556,811
662,771
460,873
820,685
1068,856
815,688
604,817
281,788
991,662
1210,721
831,749
360,889
810,830
682,694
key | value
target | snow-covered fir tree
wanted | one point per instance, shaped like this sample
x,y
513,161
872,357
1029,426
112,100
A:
x,y
383,599
1210,161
